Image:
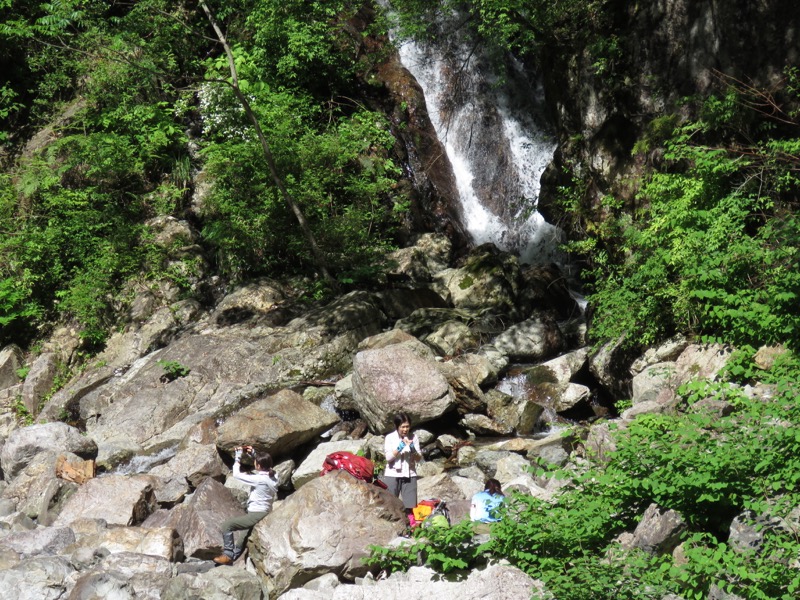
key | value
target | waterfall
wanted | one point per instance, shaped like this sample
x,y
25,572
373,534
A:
x,y
495,136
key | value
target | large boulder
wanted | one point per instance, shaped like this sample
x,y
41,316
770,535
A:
x,y
311,467
39,380
489,279
659,382
276,424
326,526
117,499
562,368
254,298
39,578
124,575
10,363
443,486
610,365
45,540
216,584
494,581
659,531
37,491
468,375
517,412
137,340
532,340
198,520
163,542
25,443
188,469
648,384
395,378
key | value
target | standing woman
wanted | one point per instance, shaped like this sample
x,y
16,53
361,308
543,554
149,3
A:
x,y
402,451
262,494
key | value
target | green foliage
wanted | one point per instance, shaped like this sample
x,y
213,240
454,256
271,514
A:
x,y
21,412
442,548
173,369
72,219
707,468
304,45
521,26
714,249
339,172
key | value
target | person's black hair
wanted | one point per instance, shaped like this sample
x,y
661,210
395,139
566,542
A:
x,y
263,462
493,487
401,418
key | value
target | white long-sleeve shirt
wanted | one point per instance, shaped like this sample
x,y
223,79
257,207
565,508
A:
x,y
264,488
406,462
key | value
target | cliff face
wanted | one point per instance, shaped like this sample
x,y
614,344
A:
x,y
654,54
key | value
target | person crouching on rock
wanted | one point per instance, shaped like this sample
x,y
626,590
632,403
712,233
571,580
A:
x,y
262,494
402,452
485,504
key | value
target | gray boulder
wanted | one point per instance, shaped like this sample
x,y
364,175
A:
x,y
39,380
311,467
253,298
648,384
669,351
186,470
562,368
483,425
395,378
494,582
197,521
126,574
316,530
39,578
467,374
518,413
10,363
452,338
117,499
658,532
41,541
276,424
163,542
532,340
489,279
36,490
25,443
217,584
443,486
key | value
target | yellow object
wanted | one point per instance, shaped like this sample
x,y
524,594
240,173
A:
x,y
421,511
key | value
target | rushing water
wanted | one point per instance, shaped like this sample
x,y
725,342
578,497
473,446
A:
x,y
143,464
495,137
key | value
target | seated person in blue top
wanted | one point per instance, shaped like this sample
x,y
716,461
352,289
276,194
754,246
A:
x,y
485,504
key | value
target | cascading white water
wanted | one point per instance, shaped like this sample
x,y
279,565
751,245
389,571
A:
x,y
495,138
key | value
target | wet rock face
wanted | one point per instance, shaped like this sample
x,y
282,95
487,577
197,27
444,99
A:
x,y
434,191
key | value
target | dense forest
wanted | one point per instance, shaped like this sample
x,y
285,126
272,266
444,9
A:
x,y
260,122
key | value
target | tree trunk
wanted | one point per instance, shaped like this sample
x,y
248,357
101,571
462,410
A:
x,y
319,257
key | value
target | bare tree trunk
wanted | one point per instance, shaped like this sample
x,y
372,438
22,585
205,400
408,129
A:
x,y
319,257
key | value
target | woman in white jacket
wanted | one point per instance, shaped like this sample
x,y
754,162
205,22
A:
x,y
402,451
264,489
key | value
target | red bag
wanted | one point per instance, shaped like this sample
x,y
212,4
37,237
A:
x,y
358,466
